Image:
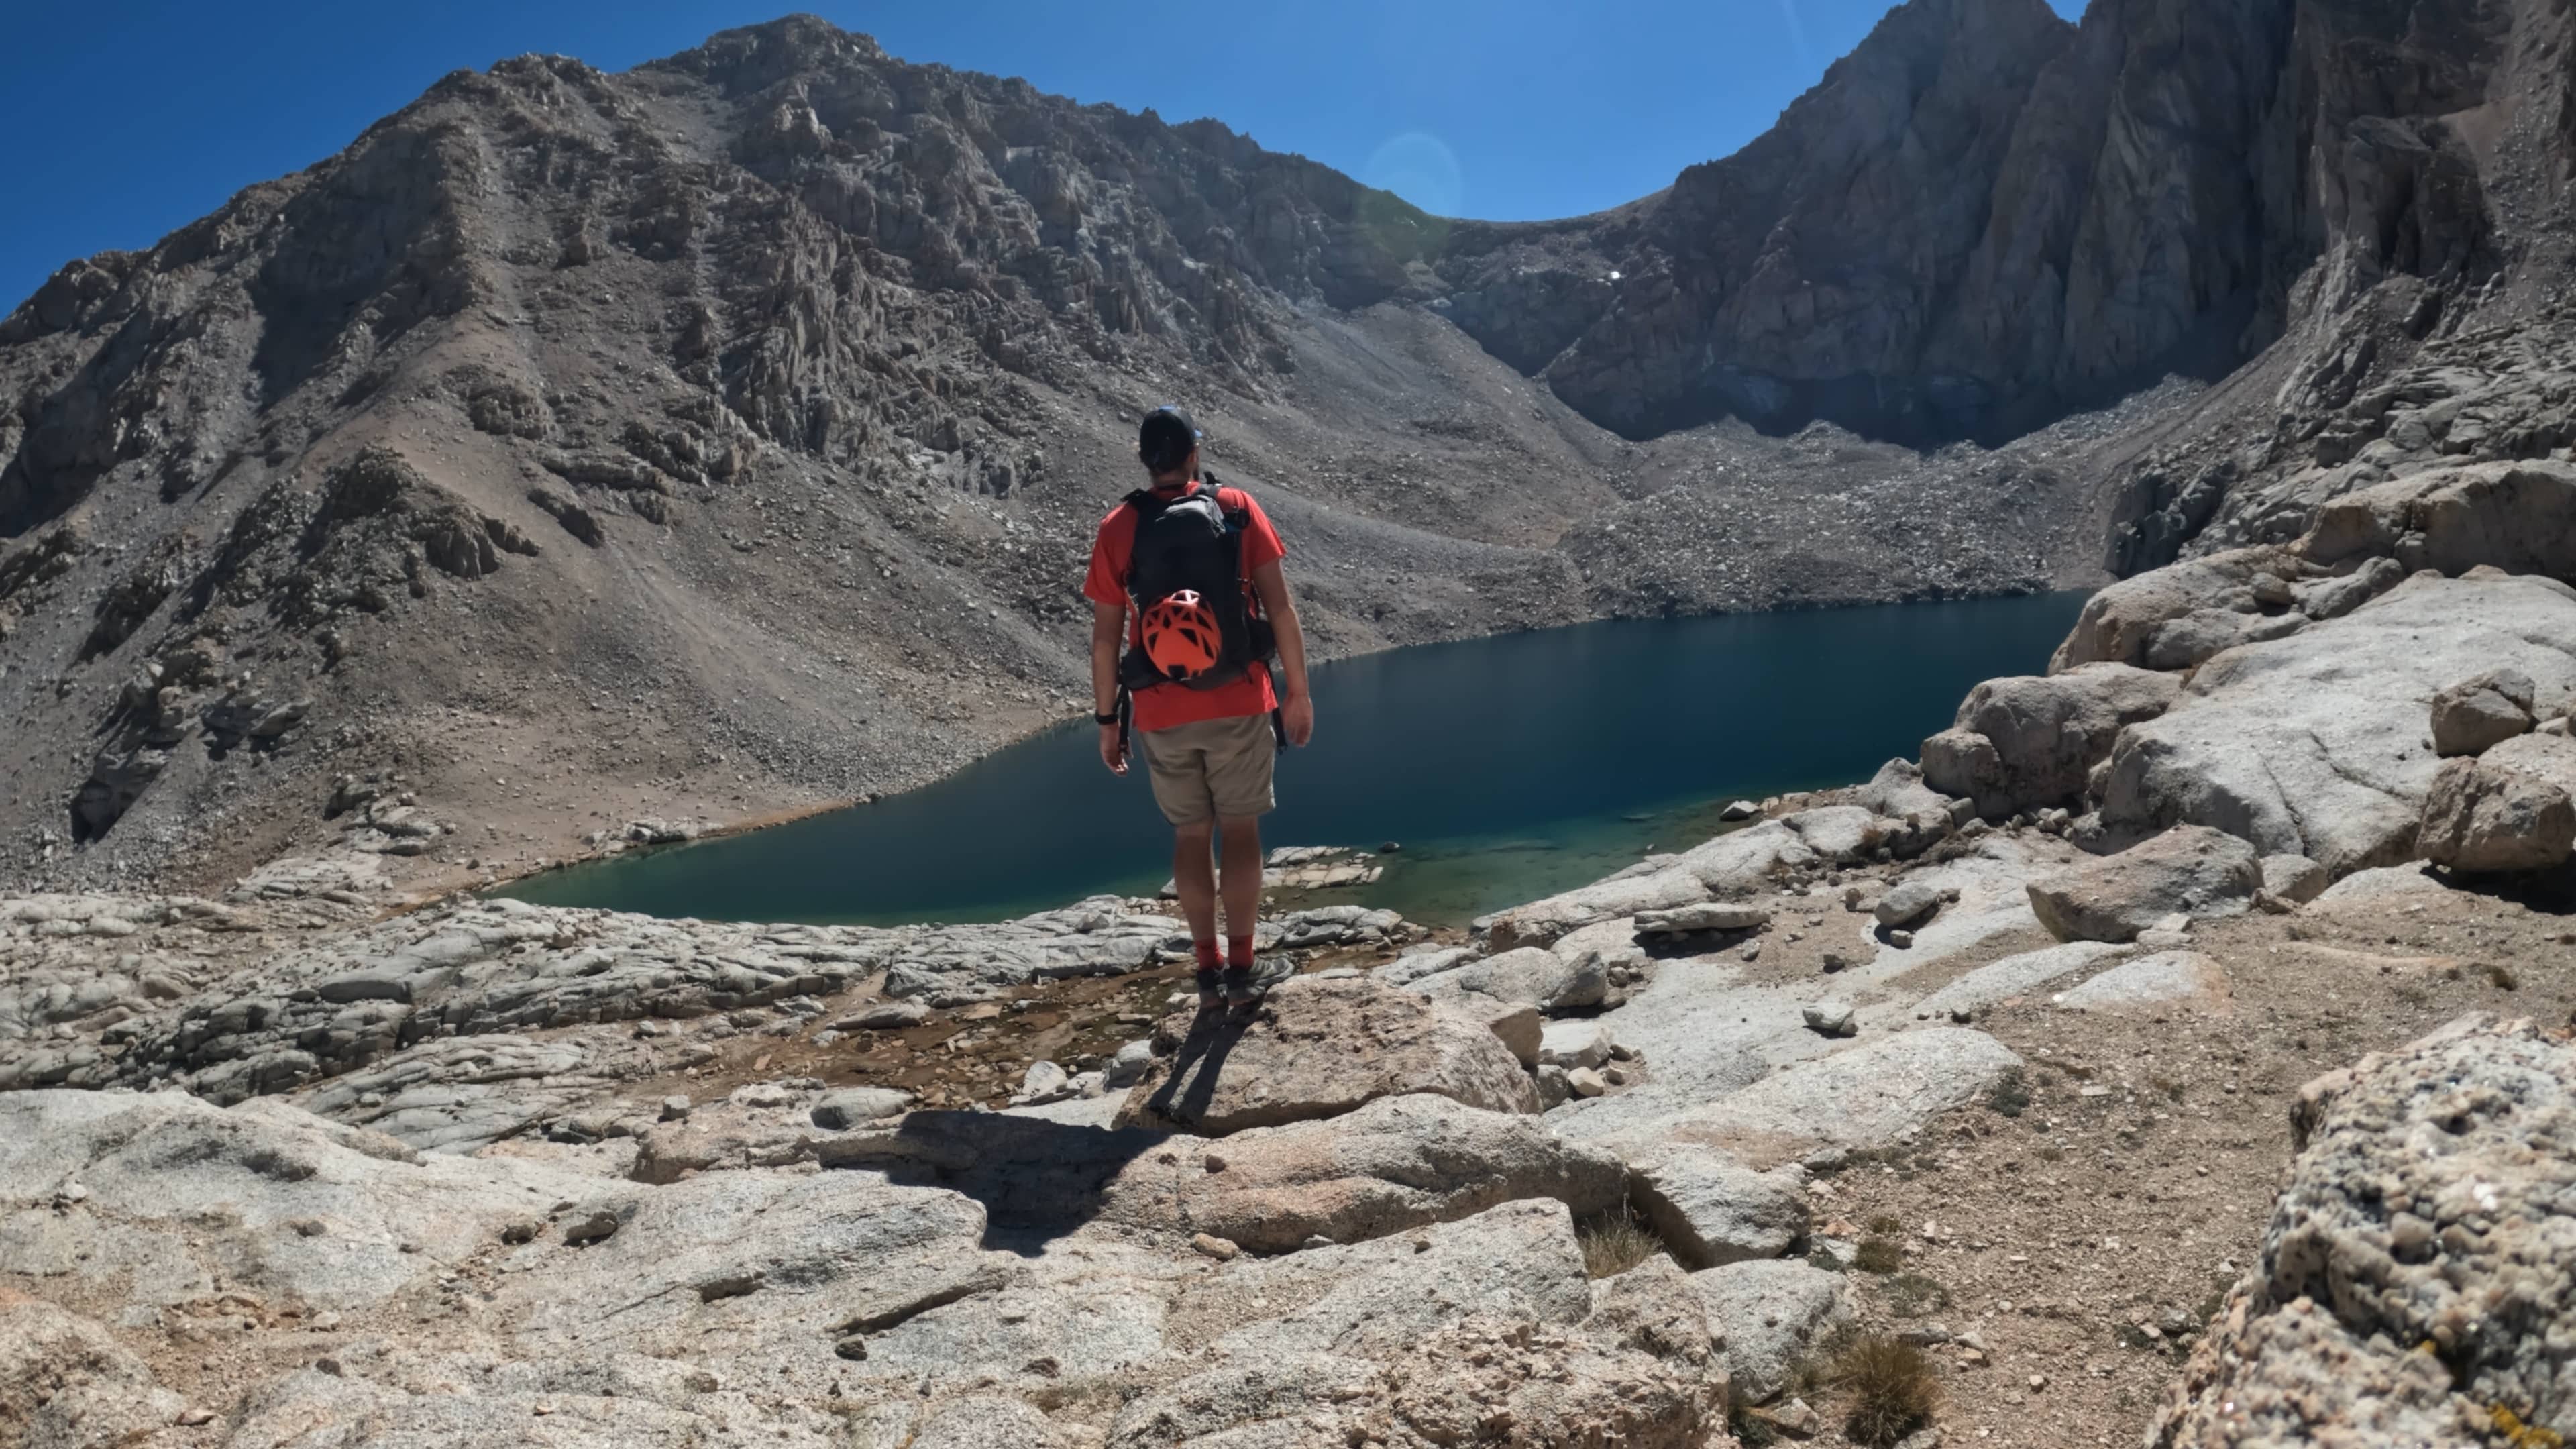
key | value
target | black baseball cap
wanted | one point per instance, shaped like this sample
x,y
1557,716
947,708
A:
x,y
1165,438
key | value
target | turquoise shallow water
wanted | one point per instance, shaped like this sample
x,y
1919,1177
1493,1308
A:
x,y
1507,768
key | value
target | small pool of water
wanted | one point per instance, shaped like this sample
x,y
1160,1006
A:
x,y
1507,768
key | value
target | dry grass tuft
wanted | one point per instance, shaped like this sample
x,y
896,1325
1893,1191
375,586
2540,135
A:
x,y
1879,1255
1892,1388
1614,1242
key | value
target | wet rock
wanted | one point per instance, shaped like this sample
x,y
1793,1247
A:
x,y
2189,870
1318,1049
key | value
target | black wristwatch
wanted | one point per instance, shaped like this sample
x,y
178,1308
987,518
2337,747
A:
x,y
1107,719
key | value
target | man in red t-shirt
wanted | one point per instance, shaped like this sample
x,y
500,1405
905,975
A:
x,y
1208,752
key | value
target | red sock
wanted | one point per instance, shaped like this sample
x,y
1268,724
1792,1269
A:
x,y
1238,952
1207,953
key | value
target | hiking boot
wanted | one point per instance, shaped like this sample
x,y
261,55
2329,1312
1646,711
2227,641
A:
x,y
1211,988
1246,987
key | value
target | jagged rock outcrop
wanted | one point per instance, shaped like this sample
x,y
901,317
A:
x,y
1985,212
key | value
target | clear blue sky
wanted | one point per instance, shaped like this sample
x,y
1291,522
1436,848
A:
x,y
128,118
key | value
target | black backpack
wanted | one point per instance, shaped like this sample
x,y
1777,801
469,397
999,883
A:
x,y
1195,542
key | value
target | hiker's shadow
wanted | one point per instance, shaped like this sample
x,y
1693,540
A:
x,y
1183,1098
1038,1179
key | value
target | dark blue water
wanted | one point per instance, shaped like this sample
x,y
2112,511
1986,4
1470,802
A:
x,y
1508,768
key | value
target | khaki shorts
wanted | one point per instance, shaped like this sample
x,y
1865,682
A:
x,y
1212,767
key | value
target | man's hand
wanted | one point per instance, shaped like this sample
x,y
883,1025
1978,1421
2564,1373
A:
x,y
1112,753
1298,714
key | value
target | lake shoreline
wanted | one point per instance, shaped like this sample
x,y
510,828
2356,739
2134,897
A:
x,y
1660,704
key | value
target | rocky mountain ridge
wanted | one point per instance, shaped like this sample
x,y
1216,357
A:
x,y
724,437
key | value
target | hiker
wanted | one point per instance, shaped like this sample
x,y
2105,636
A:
x,y
1185,580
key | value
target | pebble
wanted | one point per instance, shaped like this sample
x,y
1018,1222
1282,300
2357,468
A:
x,y
675,1108
1221,1249
1828,1018
1586,1082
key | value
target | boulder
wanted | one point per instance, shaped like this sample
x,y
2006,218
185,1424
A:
x,y
2189,870
1908,903
1828,1018
2313,745
1127,1067
1394,1164
1769,1319
1710,1209
852,1106
2518,517
1529,976
1651,1308
2410,1288
1576,1043
2510,809
1515,1024
2333,598
2485,710
1842,833
2152,984
2119,623
2201,635
1318,1048
2294,877
1897,791
2027,743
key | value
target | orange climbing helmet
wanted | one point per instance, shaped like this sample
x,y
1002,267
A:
x,y
1182,637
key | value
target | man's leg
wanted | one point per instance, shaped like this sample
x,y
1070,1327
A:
x,y
1194,879
1240,837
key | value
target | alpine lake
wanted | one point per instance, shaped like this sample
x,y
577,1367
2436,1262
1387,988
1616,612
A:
x,y
1504,769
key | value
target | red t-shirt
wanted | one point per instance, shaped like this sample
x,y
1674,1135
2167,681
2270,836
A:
x,y
1162,706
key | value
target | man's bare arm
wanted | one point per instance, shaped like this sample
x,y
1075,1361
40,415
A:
x,y
1297,709
1108,631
